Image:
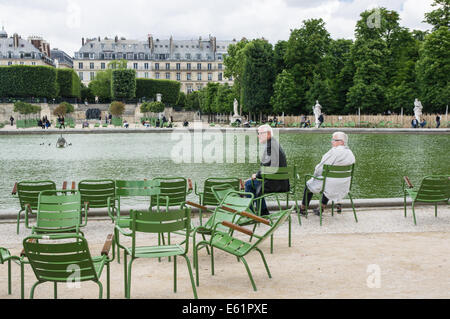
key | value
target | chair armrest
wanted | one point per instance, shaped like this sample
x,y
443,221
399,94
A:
x,y
255,217
31,240
14,190
312,176
238,228
241,184
201,207
107,245
74,186
189,185
408,182
64,186
122,231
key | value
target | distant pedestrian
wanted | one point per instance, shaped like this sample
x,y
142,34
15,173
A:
x,y
320,119
438,120
11,119
423,123
414,123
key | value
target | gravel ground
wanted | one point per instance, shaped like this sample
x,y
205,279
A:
x,y
337,260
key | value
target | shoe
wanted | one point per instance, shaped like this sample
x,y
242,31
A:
x,y
302,211
338,208
265,213
317,211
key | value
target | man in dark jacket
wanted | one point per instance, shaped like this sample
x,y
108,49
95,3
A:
x,y
272,156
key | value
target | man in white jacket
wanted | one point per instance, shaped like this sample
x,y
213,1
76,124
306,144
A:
x,y
335,188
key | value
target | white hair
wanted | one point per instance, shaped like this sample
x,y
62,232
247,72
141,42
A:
x,y
265,128
341,136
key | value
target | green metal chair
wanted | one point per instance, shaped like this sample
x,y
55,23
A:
x,y
173,192
28,192
66,258
6,257
58,211
232,203
332,171
96,192
279,173
225,241
129,190
153,222
432,189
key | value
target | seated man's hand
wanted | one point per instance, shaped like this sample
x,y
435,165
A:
x,y
254,176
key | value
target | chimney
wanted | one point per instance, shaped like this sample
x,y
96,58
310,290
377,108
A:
x,y
171,45
116,39
82,41
16,40
150,43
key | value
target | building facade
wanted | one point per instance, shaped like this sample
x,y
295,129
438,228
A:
x,y
61,58
17,51
193,63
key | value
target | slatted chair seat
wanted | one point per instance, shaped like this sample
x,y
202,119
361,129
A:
x,y
230,244
157,251
433,189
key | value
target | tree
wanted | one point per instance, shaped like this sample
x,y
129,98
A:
x,y
156,107
320,90
117,108
26,108
305,52
439,17
258,76
279,52
101,85
284,97
192,101
63,109
223,101
123,84
181,102
433,70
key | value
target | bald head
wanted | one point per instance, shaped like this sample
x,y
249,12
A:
x,y
264,133
340,138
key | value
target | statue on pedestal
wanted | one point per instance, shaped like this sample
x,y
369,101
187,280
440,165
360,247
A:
x,y
417,109
317,109
236,117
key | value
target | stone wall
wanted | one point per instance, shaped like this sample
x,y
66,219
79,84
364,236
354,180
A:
x,y
132,112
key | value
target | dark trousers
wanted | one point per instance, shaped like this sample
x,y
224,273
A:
x,y
250,187
307,196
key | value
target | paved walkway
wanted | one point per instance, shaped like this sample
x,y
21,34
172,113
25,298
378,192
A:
x,y
341,259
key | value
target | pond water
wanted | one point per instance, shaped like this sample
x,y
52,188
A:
x,y
381,160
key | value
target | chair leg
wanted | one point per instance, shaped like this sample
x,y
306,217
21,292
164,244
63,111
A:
x,y
404,203
414,214
175,274
18,220
33,288
125,275
55,290
129,278
212,260
191,276
290,236
435,210
249,273
320,209
9,277
22,281
108,281
353,207
264,261
100,289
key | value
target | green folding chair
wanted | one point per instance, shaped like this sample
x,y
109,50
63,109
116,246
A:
x,y
225,241
65,258
433,189
153,222
6,257
333,171
28,192
97,192
58,211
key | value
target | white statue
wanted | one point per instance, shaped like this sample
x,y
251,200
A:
x,y
417,109
235,105
317,109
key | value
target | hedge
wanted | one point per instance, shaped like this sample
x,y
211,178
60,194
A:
x,y
28,81
150,87
123,84
69,83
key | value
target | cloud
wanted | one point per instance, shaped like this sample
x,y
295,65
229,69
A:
x,y
63,23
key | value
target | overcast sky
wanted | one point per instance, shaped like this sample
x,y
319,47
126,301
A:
x,y
64,22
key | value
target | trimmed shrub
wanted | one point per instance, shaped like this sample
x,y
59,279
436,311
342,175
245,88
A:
x,y
150,87
28,81
123,84
117,108
63,109
68,82
156,107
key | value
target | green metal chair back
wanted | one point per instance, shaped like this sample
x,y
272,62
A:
x,y
173,191
279,173
28,192
209,197
159,223
97,192
232,200
434,189
137,188
332,171
58,210
54,257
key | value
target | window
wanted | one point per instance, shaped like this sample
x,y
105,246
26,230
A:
x,y
178,76
178,66
146,66
156,66
103,66
188,56
188,66
167,66
135,66
157,76
33,63
199,56
146,75
209,76
199,66
188,76
219,66
189,88
220,76
80,75
9,62
80,65
209,66
92,75
91,56
199,87
130,56
177,56
199,76
167,75
91,65
119,55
